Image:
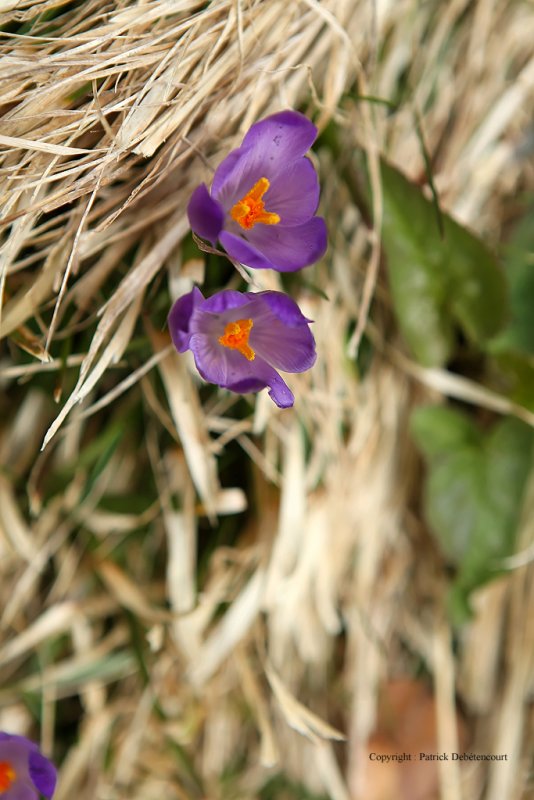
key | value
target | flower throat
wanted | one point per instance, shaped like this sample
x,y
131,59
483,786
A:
x,y
250,210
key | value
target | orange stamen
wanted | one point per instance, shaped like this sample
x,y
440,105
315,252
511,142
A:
x,y
251,208
236,337
7,775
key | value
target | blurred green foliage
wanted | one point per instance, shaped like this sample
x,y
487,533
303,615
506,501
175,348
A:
x,y
280,787
512,350
448,288
439,283
473,493
519,270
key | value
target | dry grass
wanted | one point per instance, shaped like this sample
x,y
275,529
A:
x,y
160,654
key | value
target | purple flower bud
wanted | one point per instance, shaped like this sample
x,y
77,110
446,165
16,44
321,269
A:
x,y
25,773
264,197
240,339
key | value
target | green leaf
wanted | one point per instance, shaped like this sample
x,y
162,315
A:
x,y
517,373
111,440
438,283
473,491
73,674
440,429
519,270
513,349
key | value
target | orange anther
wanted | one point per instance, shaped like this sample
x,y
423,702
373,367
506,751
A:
x,y
7,775
236,337
251,208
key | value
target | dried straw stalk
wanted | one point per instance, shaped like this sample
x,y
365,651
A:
x,y
111,113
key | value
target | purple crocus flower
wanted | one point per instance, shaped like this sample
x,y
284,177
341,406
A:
x,y
264,197
25,774
239,340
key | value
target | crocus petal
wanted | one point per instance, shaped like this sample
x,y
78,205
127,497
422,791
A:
x,y
242,251
279,392
268,147
247,386
224,300
215,313
284,307
285,348
218,364
21,791
288,249
14,738
281,137
180,316
294,195
206,216
43,774
232,172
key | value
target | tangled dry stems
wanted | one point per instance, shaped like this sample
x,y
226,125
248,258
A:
x,y
111,113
